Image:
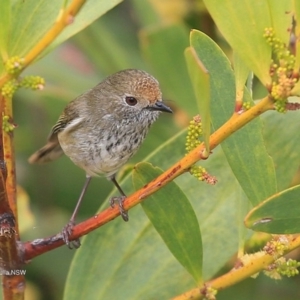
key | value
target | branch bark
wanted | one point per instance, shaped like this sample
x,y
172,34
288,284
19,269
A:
x,y
13,286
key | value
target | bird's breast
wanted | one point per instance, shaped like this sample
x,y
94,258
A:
x,y
102,151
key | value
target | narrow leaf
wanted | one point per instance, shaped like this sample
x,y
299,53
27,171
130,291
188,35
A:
x,y
282,138
242,23
280,214
4,29
31,19
90,12
296,13
281,16
241,72
245,149
173,217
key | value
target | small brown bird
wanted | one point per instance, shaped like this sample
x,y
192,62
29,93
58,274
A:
x,y
102,128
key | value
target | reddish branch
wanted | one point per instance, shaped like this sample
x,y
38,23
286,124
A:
x,y
13,286
39,246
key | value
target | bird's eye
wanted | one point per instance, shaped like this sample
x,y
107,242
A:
x,y
131,101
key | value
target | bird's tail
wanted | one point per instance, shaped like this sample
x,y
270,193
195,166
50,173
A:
x,y
49,152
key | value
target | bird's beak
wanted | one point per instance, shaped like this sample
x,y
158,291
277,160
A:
x,y
160,106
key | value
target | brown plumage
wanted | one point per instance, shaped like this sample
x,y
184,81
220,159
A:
x,y
101,129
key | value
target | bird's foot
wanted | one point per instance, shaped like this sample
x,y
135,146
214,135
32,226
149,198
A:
x,y
122,210
67,232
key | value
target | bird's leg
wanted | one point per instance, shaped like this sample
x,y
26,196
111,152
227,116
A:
x,y
68,229
119,200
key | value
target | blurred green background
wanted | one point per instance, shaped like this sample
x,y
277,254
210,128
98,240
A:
x,y
126,37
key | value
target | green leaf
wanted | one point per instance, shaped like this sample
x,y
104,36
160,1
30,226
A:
x,y
241,72
31,19
218,66
280,214
296,13
250,161
244,233
282,17
173,217
245,149
201,84
4,29
168,63
242,23
282,138
90,12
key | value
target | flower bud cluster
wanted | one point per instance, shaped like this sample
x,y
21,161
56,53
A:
x,y
9,88
198,172
33,82
209,292
277,246
281,71
7,125
247,105
282,267
193,134
14,65
192,141
201,174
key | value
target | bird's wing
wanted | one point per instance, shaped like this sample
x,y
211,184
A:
x,y
67,120
52,150
59,126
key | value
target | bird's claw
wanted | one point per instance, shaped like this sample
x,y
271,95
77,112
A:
x,y
122,210
67,232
